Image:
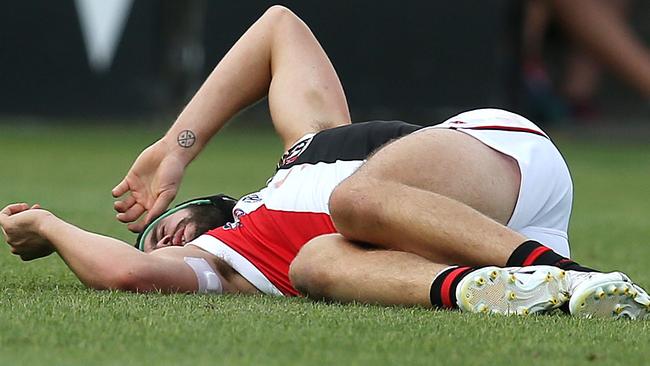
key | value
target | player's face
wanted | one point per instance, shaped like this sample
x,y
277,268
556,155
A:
x,y
176,229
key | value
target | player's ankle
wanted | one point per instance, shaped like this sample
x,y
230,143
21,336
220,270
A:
x,y
443,288
532,253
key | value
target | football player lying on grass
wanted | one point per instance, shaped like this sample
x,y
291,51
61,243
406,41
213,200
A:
x,y
351,273
372,212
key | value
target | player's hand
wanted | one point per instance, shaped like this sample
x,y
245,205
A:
x,y
151,184
20,227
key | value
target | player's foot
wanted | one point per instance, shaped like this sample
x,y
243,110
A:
x,y
514,290
606,295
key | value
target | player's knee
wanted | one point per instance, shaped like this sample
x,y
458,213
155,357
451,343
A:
x,y
354,206
310,272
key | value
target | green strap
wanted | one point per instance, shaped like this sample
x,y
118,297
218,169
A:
x,y
155,222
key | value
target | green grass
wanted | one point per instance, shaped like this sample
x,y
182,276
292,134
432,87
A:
x,y
48,318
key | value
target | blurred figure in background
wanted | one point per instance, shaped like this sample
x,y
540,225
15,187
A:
x,y
600,36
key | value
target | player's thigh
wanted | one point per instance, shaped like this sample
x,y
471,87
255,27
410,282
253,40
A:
x,y
453,164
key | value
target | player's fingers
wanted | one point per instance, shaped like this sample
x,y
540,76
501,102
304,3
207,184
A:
x,y
131,214
35,206
121,188
4,215
161,204
10,208
125,204
14,209
136,227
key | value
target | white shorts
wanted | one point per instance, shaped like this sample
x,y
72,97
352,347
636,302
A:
x,y
545,197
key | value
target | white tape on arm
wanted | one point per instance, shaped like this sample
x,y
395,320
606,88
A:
x,y
209,280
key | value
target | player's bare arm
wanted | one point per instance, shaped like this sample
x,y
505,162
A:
x,y
278,56
101,262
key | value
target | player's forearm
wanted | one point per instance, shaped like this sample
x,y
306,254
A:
x,y
240,79
98,261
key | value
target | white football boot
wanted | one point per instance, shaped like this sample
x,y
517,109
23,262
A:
x,y
606,295
513,290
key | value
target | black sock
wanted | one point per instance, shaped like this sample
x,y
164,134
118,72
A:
x,y
532,253
443,288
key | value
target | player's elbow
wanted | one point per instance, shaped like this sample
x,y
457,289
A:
x,y
123,278
278,12
130,280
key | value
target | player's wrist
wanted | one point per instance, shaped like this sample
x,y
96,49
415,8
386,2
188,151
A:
x,y
181,145
45,222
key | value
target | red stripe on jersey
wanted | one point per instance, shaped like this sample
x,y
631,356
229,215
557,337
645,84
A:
x,y
506,128
271,239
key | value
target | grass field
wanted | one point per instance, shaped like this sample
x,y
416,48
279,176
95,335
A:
x,y
48,318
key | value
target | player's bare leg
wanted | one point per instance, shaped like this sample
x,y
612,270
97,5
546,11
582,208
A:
x,y
331,267
440,194
334,268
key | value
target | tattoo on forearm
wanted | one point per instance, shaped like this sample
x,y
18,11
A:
x,y
186,138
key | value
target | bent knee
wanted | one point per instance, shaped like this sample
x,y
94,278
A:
x,y
311,272
355,205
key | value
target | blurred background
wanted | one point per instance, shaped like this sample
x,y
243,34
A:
x,y
565,63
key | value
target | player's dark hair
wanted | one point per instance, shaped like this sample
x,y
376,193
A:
x,y
208,217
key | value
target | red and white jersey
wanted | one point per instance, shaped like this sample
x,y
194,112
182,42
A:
x,y
273,224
